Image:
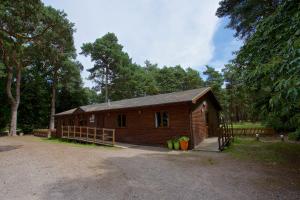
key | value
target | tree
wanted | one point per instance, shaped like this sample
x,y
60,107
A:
x,y
70,86
21,24
55,49
237,102
33,111
215,81
193,79
269,67
245,15
4,108
112,66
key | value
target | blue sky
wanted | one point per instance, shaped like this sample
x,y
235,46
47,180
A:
x,y
167,32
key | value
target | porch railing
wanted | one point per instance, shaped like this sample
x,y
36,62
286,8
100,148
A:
x,y
89,134
225,135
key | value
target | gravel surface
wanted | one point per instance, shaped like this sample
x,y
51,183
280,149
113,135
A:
x,y
34,169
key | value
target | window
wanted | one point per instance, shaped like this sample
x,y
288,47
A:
x,y
121,120
92,118
82,120
161,119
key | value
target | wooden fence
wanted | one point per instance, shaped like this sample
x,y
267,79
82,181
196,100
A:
x,y
225,134
253,131
89,134
42,132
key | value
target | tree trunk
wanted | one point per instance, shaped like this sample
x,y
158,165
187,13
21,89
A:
x,y
14,102
13,120
51,123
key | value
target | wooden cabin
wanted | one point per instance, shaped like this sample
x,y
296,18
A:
x,y
151,120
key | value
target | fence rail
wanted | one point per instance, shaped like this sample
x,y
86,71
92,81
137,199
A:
x,y
43,132
89,134
253,131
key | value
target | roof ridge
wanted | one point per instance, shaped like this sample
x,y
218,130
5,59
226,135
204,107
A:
x,y
164,98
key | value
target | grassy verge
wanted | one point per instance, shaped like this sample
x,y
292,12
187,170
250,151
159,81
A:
x,y
75,143
248,125
268,152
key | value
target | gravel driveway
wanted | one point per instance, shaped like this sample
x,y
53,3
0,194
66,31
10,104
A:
x,y
33,169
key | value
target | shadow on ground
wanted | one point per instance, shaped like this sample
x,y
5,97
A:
x,y
9,147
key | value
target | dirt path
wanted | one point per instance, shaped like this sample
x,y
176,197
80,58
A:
x,y
32,169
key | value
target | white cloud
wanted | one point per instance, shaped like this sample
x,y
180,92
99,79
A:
x,y
167,32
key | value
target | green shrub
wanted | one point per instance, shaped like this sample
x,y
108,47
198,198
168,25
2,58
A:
x,y
294,135
184,138
26,128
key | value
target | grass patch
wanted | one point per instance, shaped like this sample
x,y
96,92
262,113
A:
x,y
248,125
268,152
75,143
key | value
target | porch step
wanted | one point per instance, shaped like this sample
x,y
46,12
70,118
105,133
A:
x,y
208,144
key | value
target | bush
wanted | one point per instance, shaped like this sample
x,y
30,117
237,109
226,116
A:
x,y
184,138
26,128
294,135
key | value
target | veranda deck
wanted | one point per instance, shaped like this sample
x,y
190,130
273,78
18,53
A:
x,y
93,135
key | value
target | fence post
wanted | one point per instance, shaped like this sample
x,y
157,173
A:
x,y
103,135
62,131
80,132
87,133
113,137
94,134
68,131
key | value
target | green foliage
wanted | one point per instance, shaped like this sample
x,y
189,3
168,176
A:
x,y
262,83
112,66
127,79
294,135
34,107
237,102
184,138
214,80
245,15
4,108
269,67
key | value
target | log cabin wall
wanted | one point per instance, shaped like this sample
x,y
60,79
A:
x,y
199,126
184,119
205,120
140,123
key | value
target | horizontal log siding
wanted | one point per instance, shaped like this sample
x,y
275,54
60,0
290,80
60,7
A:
x,y
201,129
140,124
198,126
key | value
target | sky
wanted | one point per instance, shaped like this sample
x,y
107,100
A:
x,y
166,32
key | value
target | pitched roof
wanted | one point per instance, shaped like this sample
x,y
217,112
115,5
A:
x,y
169,98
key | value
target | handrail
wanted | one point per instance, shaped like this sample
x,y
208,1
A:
x,y
89,134
225,134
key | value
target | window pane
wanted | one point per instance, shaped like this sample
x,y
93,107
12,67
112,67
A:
x,y
158,119
124,120
165,119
